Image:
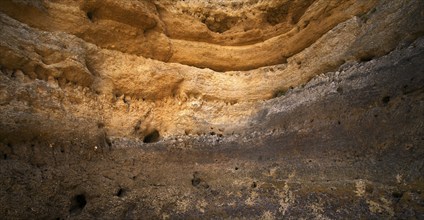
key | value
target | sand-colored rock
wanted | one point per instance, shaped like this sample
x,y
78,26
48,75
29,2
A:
x,y
148,29
340,147
192,109
169,88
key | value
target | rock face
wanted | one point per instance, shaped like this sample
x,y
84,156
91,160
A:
x,y
211,109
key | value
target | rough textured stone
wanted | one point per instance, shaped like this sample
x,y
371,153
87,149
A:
x,y
238,109
168,86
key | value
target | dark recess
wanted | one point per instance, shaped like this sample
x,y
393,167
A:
x,y
152,137
397,196
100,125
198,182
366,58
77,204
90,15
195,181
121,192
385,99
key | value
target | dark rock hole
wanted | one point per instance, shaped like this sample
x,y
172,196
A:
x,y
236,168
340,90
366,58
5,156
385,99
90,15
78,203
100,125
198,182
121,192
152,137
195,181
397,195
254,185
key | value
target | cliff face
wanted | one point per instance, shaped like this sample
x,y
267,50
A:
x,y
114,51
204,109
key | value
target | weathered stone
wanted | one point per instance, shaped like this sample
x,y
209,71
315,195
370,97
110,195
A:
x,y
238,109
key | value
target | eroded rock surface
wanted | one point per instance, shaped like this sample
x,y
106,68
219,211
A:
x,y
211,109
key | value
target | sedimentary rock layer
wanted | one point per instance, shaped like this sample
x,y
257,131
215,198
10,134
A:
x,y
261,34
348,144
163,109
181,97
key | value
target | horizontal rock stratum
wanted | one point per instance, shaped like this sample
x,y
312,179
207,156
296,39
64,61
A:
x,y
191,109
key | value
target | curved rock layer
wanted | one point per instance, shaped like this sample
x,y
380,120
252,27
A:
x,y
230,36
64,42
250,109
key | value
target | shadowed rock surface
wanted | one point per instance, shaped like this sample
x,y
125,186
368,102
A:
x,y
309,109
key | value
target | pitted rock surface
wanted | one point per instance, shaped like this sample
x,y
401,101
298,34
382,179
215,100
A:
x,y
238,109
